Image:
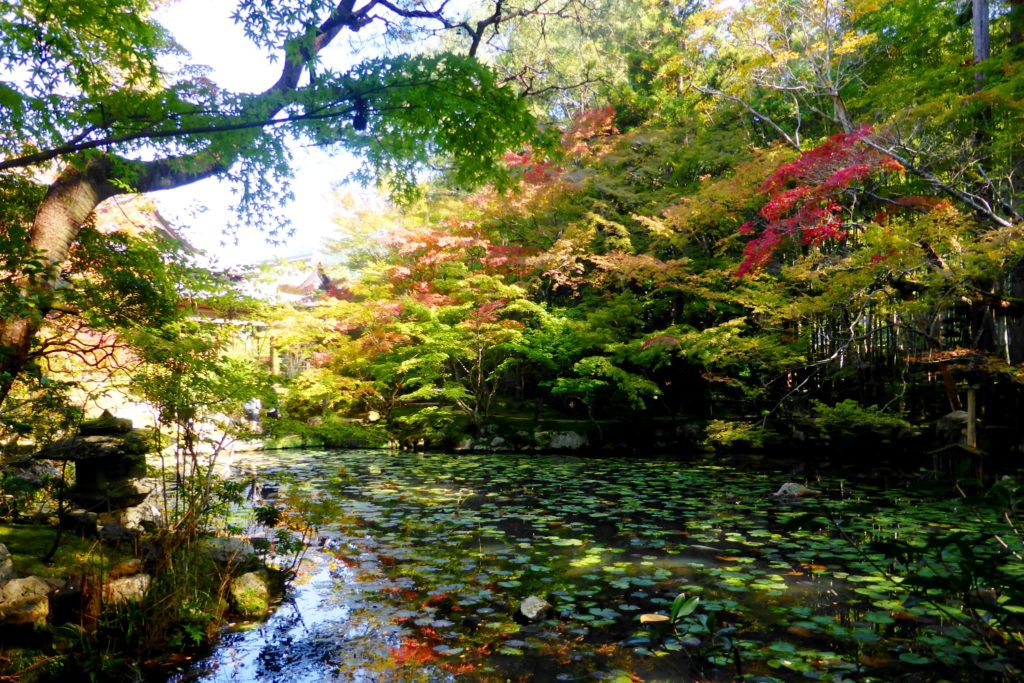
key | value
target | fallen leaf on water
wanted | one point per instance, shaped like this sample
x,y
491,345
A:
x,y
653,618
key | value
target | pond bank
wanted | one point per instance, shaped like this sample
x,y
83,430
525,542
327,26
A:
x,y
111,602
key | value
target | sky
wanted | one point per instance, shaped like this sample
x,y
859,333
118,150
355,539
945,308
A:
x,y
200,210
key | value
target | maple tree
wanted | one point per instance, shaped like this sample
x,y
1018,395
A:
x,y
806,196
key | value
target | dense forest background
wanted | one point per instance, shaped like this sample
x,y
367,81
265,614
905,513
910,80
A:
x,y
773,223
612,227
731,225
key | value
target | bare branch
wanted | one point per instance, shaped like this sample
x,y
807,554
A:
x,y
938,184
795,144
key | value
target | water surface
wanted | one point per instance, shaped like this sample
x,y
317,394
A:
x,y
422,561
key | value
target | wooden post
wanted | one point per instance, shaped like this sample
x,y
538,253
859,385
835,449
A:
x,y
972,416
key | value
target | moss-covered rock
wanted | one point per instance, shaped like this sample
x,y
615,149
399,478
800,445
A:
x,y
233,552
26,601
250,594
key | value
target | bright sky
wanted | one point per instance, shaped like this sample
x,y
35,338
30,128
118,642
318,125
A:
x,y
204,28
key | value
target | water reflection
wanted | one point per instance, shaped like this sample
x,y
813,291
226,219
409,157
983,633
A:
x,y
425,560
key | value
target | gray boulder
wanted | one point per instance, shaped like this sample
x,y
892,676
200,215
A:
x,y
534,608
145,516
567,441
791,490
126,568
25,601
127,589
6,565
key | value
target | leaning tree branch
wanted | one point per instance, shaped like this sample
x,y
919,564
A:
x,y
262,110
714,92
938,184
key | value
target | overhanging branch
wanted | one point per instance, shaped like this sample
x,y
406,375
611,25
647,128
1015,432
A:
x,y
938,184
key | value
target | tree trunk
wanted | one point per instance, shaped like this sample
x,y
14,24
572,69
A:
x,y
980,29
1017,43
840,112
60,217
1015,323
1016,22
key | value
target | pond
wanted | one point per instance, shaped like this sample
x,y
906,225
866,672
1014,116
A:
x,y
422,563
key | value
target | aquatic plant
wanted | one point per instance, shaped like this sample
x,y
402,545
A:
x,y
861,582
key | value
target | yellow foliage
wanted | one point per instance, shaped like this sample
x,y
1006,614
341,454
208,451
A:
x,y
855,43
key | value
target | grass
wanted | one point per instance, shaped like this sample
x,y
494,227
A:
x,y
28,543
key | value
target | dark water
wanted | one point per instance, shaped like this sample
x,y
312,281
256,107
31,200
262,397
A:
x,y
422,561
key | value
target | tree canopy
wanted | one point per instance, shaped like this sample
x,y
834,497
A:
x,y
745,213
802,208
88,103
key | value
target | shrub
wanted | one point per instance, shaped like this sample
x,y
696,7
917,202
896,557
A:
x,y
849,418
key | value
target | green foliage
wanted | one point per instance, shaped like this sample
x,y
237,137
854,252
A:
x,y
731,433
71,58
323,391
199,393
604,281
416,113
121,281
599,382
336,432
849,418
181,610
267,515
682,607
436,426
187,377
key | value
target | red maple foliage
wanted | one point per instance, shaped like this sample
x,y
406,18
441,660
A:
x,y
593,123
413,651
804,196
587,128
535,171
421,253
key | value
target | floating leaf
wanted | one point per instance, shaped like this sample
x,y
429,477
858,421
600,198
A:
x,y
555,540
881,618
654,618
